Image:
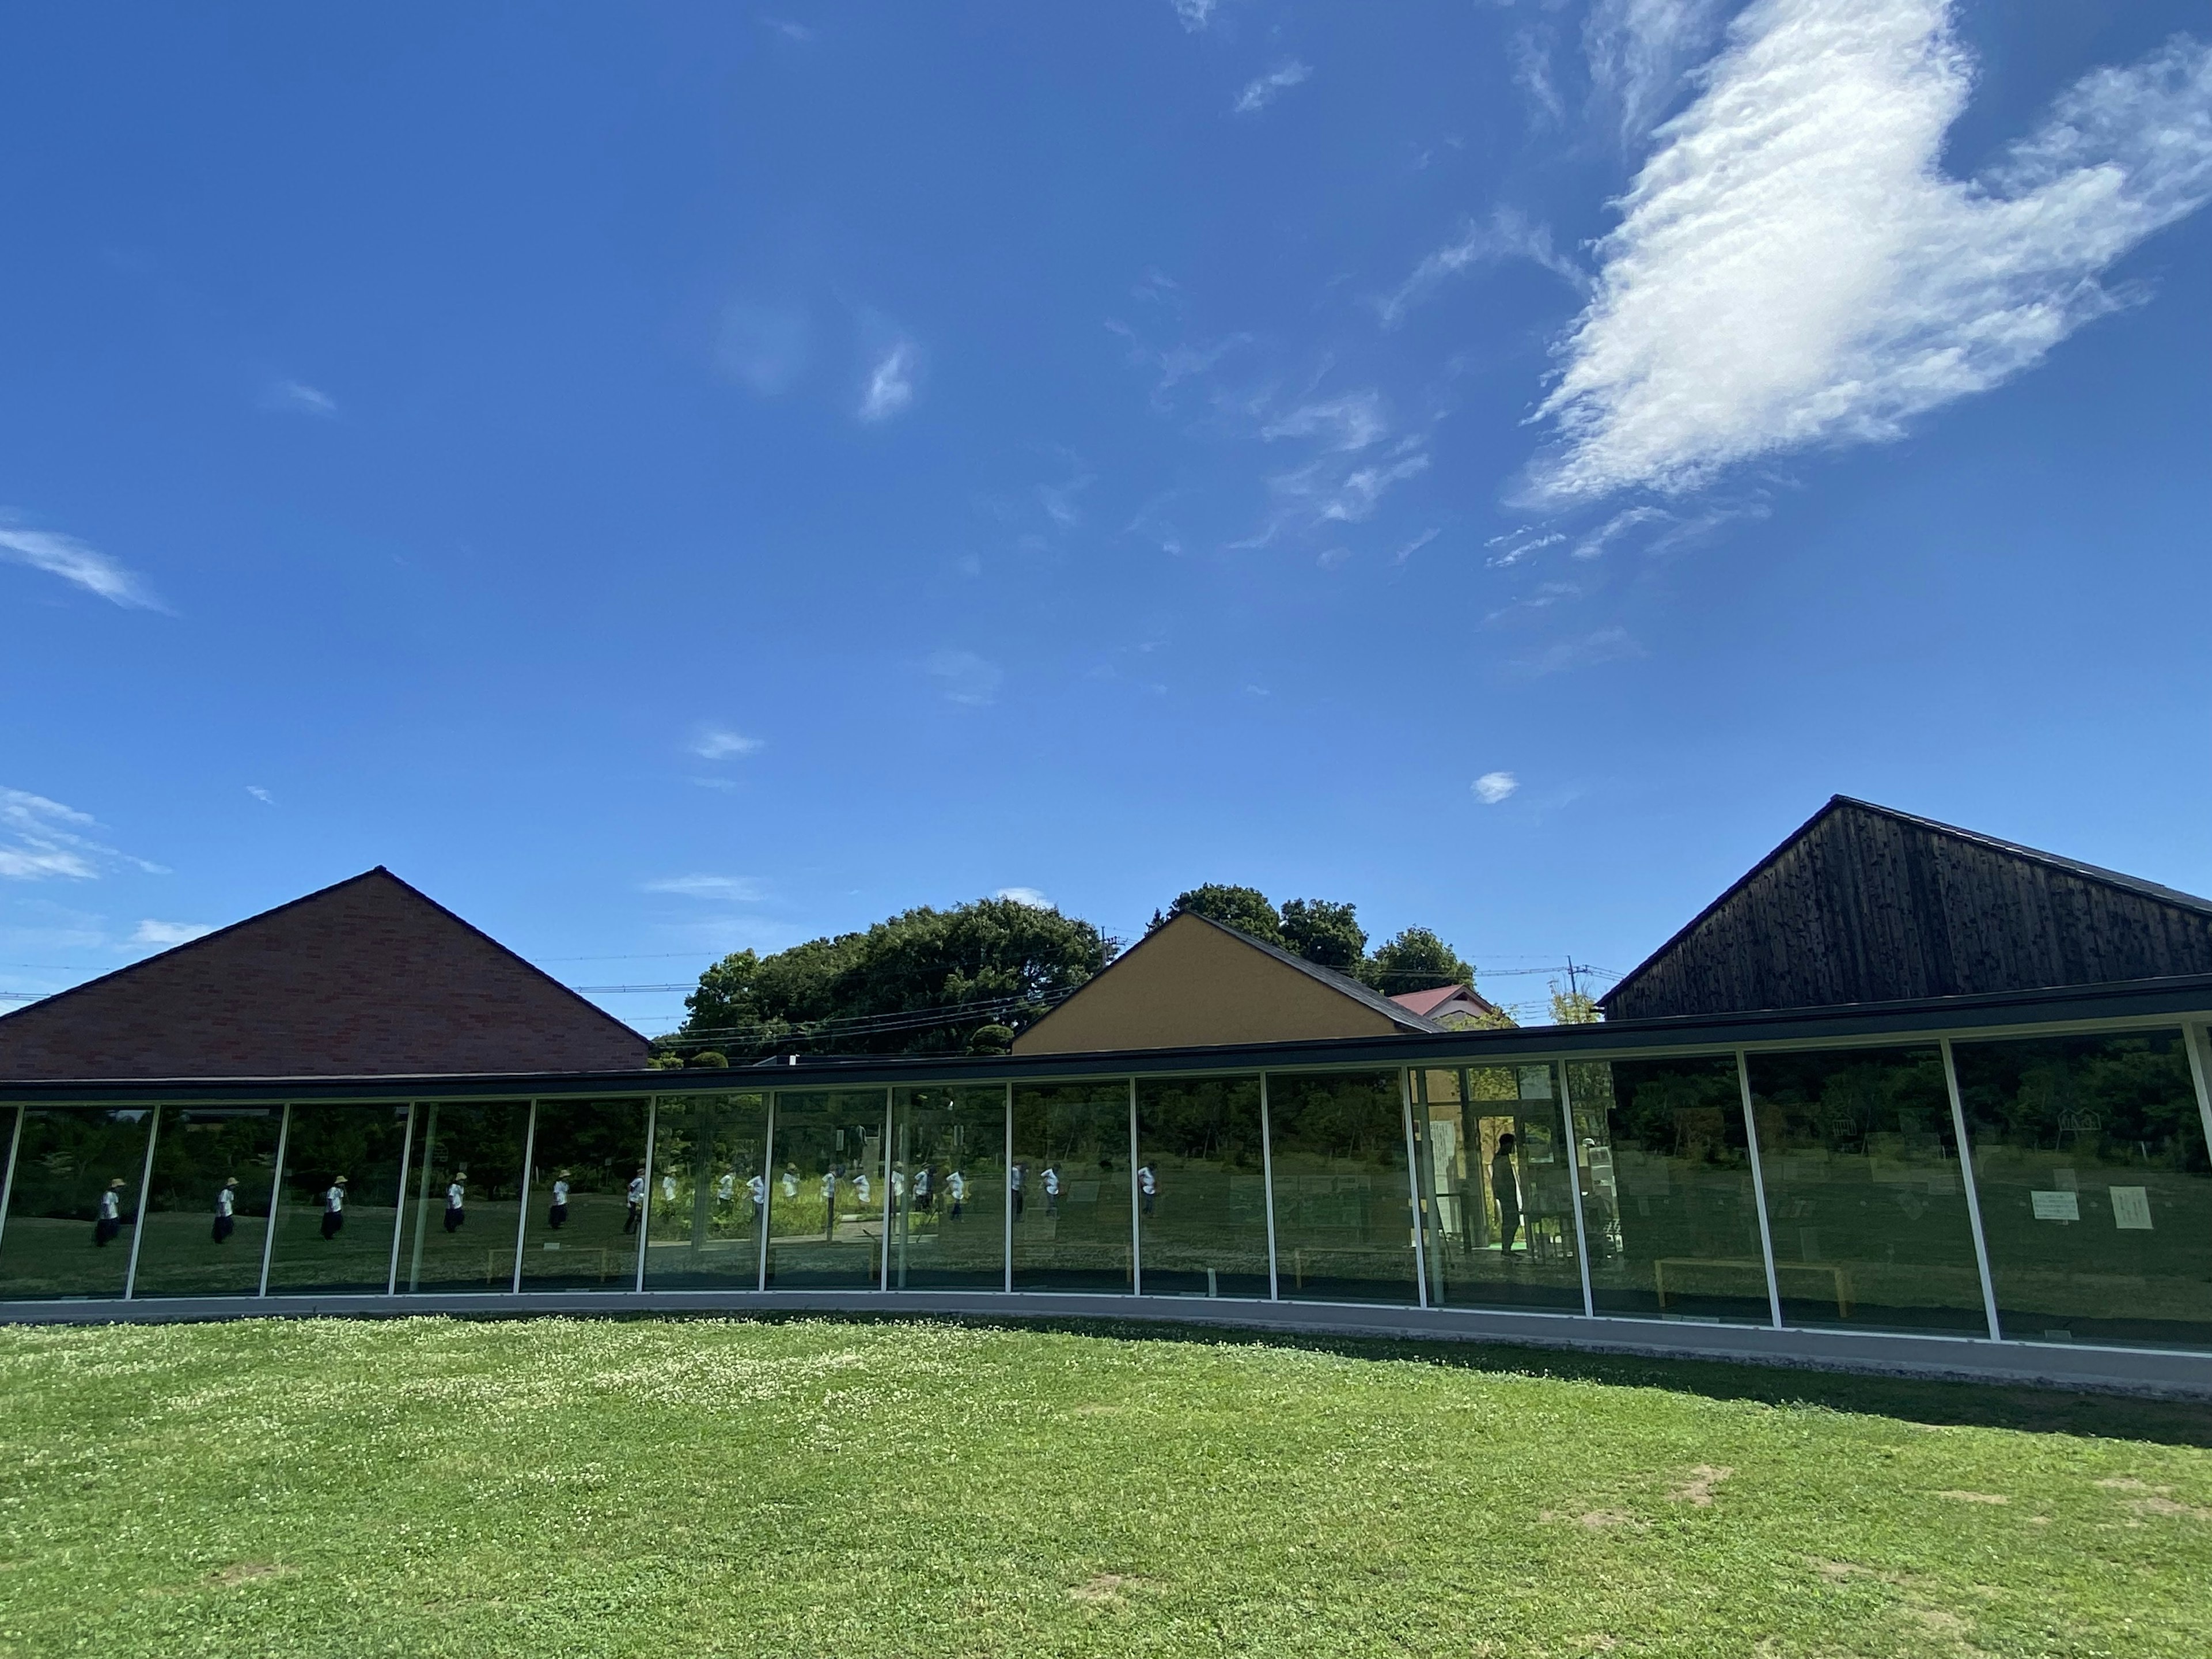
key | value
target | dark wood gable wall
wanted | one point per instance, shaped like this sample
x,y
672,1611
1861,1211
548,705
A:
x,y
1866,906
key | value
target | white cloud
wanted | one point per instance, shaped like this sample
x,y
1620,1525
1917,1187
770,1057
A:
x,y
763,348
1261,93
41,838
1352,421
150,931
297,398
1532,73
260,794
1517,545
966,678
739,889
1638,50
797,33
1416,546
73,562
1507,235
1793,267
1193,15
716,744
1619,524
1492,787
1605,645
891,384
1028,895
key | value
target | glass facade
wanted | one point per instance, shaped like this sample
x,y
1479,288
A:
x,y
1343,1208
2096,1199
1814,1187
579,1231
1668,1192
829,1200
948,1189
1201,1187
1073,1226
710,1206
208,1201
1494,1189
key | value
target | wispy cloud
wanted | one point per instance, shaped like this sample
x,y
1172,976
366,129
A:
x,y
1605,645
1506,234
1415,545
890,383
716,742
1639,51
1194,14
73,562
1516,546
1346,423
40,839
1261,93
1492,787
1028,895
260,794
965,678
297,398
150,931
1619,524
1793,267
797,33
1532,73
738,889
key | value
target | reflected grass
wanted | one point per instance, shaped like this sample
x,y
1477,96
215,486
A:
x,y
810,1487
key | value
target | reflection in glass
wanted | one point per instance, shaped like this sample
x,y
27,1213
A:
x,y
577,1232
709,1215
339,1200
207,1206
1863,1196
827,1200
1201,1187
1665,1164
1495,1173
73,1201
1071,1187
2096,1199
1343,1205
464,1197
948,1179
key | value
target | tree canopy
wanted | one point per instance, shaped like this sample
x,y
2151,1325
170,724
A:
x,y
1329,934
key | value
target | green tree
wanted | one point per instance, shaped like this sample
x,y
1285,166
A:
x,y
1329,934
1573,1008
1245,909
1416,960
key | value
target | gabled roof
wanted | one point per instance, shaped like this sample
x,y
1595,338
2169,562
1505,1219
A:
x,y
1425,1003
1344,984
367,977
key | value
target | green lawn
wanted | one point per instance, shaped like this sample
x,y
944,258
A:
x,y
565,1488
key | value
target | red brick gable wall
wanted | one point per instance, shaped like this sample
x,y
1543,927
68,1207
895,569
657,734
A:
x,y
367,978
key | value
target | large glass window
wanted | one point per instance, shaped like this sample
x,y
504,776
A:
x,y
579,1231
464,1196
1496,1168
73,1206
1201,1187
1864,1199
1665,1164
710,1193
2096,1199
207,1206
1344,1204
1071,1187
827,1203
339,1200
949,1188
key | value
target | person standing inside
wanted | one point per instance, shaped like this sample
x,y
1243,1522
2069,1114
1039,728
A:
x,y
110,1220
457,1201
636,1196
557,1216
956,1185
1505,1192
226,1210
334,1207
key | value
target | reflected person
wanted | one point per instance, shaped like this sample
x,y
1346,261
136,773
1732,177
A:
x,y
456,1202
110,1221
1148,1185
1506,1189
557,1216
955,1188
1052,1189
636,1197
1017,1180
334,1199
226,1210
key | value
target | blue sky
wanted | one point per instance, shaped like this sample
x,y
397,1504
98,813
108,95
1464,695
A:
x,y
669,479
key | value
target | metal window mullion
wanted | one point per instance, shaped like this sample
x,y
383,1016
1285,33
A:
x,y
884,1251
1136,1213
276,1195
645,1208
1574,1190
1759,1189
1267,1186
138,1219
1413,1185
1974,1195
422,1201
2193,1040
767,1206
1007,1183
399,1204
8,1179
522,1217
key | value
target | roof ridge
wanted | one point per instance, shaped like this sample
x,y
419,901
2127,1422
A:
x,y
1329,976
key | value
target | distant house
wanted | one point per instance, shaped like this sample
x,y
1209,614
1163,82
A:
x,y
368,978
1865,904
1455,1008
1195,983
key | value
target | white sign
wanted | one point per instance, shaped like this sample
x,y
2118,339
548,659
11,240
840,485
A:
x,y
2130,1207
2056,1207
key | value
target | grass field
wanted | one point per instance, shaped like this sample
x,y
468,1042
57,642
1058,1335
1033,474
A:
x,y
567,1488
